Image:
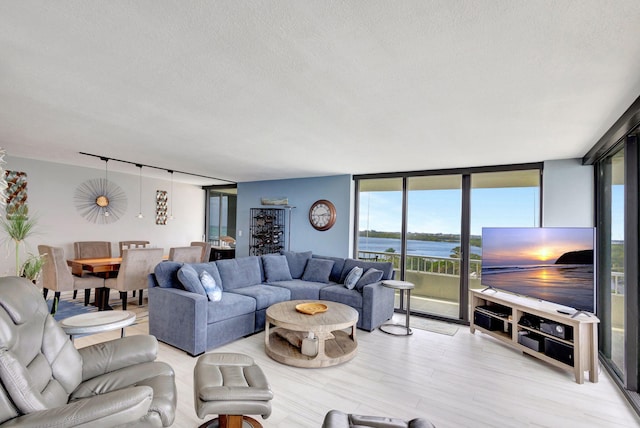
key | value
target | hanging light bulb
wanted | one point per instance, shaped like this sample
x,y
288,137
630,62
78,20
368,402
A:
x,y
140,189
171,198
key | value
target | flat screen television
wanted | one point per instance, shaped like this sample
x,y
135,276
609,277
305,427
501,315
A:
x,y
549,263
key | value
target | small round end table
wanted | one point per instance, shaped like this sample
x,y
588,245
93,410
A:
x,y
97,322
403,286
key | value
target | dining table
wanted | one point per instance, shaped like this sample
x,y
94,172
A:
x,y
104,267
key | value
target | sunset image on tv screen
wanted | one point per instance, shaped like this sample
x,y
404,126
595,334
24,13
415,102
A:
x,y
554,264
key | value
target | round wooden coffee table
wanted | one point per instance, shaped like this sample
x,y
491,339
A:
x,y
334,345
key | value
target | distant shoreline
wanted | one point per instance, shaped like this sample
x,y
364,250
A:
x,y
476,240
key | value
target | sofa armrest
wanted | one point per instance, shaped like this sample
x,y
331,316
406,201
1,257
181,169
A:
x,y
113,355
111,409
179,318
377,305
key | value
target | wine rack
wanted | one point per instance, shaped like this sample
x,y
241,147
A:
x,y
267,230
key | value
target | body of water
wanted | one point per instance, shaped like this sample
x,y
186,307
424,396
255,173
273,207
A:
x,y
416,248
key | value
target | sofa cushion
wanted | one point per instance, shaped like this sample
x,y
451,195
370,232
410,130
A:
x,y
210,268
318,270
297,262
352,277
336,270
230,306
370,276
276,268
240,272
300,289
265,295
213,290
338,293
385,267
189,279
167,274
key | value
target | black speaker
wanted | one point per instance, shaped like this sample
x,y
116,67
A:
x,y
558,351
487,322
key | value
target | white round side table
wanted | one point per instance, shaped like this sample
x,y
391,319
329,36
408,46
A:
x,y
97,322
405,289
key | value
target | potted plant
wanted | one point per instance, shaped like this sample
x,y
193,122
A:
x,y
19,227
32,267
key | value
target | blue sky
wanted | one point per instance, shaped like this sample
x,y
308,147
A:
x,y
438,211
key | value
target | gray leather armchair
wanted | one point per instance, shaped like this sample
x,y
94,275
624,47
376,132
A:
x,y
47,382
338,419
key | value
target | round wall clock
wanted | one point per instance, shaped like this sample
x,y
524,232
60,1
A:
x,y
322,215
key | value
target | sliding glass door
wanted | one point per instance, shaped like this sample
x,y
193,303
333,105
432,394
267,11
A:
x,y
430,224
433,243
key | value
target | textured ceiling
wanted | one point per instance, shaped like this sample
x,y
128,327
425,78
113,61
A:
x,y
257,90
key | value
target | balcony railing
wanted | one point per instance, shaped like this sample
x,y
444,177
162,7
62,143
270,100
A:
x,y
451,266
424,264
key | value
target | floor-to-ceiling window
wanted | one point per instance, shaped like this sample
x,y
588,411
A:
x,y
430,223
616,157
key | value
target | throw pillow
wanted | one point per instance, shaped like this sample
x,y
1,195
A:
x,y
297,262
318,270
188,277
276,268
369,277
352,277
213,290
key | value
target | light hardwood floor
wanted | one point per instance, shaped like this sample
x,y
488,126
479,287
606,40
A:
x,y
463,380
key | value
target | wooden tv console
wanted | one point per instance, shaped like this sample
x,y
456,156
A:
x,y
505,309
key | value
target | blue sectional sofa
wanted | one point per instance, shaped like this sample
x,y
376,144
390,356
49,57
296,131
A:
x,y
185,317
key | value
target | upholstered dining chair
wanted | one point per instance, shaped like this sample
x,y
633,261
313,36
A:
x,y
47,382
206,250
125,245
136,265
56,276
92,249
185,254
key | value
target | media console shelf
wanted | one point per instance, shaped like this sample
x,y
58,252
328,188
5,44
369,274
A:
x,y
535,327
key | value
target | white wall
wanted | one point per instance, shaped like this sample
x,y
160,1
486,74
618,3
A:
x,y
568,194
51,188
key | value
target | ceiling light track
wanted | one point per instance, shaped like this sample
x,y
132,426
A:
x,y
169,170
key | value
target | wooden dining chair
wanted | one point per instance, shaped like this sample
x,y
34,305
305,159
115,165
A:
x,y
206,250
137,264
125,245
185,254
56,276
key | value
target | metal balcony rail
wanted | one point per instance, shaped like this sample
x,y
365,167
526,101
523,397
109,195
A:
x,y
424,264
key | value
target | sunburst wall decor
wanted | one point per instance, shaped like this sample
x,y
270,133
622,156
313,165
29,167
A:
x,y
100,201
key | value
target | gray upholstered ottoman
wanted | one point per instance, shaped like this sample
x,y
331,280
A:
x,y
231,386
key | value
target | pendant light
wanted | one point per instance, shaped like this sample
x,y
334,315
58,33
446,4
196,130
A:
x,y
171,197
103,200
140,189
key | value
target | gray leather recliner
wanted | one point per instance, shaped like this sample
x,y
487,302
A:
x,y
47,382
338,419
